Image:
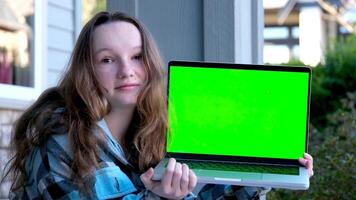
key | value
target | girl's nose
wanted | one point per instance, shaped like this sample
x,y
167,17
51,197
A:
x,y
124,71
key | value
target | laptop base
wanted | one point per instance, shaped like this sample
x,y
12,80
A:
x,y
256,179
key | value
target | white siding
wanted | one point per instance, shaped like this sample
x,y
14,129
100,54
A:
x,y
60,39
60,18
57,60
61,35
66,4
53,77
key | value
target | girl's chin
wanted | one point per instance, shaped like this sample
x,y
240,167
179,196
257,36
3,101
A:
x,y
124,103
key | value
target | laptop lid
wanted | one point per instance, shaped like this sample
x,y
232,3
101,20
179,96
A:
x,y
238,112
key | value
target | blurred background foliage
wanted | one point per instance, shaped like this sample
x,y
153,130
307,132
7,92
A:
x,y
332,141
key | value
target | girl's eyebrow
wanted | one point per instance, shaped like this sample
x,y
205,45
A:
x,y
109,49
137,48
101,50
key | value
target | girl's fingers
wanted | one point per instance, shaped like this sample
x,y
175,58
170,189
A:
x,y
177,174
185,178
168,174
311,172
303,161
146,179
307,161
308,156
192,180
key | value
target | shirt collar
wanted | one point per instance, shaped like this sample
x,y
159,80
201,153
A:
x,y
113,146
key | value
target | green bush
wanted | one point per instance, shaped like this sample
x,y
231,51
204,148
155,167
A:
x,y
334,79
340,66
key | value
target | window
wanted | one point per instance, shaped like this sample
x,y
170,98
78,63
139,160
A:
x,y
275,33
21,52
295,32
16,46
281,43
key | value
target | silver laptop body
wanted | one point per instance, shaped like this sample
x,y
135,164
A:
x,y
268,162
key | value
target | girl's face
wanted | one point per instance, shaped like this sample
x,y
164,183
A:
x,y
118,62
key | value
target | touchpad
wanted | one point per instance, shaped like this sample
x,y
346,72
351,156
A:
x,y
228,174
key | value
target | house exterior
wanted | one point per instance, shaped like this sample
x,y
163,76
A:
x,y
56,26
301,29
200,30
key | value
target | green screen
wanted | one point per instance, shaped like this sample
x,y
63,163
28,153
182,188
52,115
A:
x,y
237,112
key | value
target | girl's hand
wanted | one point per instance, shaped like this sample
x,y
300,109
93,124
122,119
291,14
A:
x,y
177,181
307,161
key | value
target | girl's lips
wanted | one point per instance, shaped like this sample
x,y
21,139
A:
x,y
127,86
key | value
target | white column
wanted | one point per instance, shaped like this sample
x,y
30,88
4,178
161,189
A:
x,y
249,23
310,39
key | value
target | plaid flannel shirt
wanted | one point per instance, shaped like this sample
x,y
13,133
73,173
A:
x,y
50,176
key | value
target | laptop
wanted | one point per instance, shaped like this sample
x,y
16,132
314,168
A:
x,y
239,124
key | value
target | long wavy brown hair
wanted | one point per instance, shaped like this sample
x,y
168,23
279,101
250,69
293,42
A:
x,y
82,97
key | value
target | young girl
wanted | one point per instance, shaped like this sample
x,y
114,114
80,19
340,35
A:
x,y
99,133
104,124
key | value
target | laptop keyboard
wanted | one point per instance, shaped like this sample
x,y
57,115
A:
x,y
228,166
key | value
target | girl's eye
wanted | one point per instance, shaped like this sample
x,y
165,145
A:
x,y
138,57
107,60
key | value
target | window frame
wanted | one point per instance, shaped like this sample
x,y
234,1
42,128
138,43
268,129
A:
x,y
20,97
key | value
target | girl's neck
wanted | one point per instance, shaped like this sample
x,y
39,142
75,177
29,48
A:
x,y
118,121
